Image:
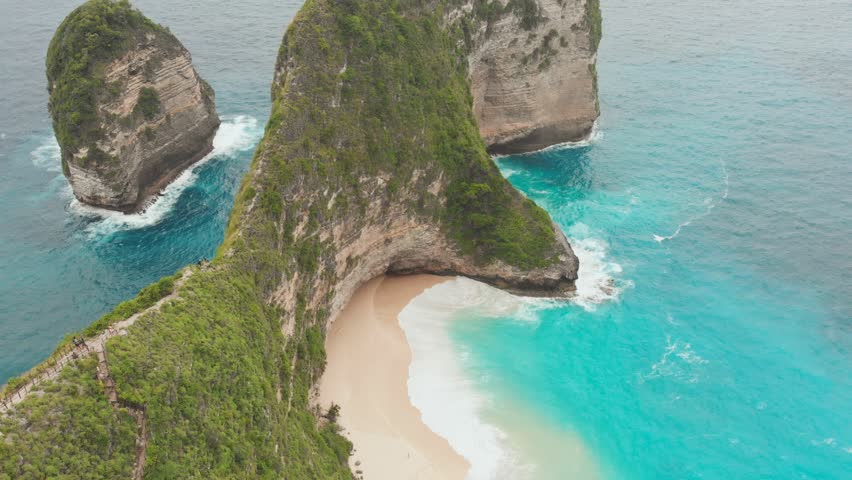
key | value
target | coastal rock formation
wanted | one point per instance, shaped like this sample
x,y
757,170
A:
x,y
404,184
532,69
388,239
372,162
129,110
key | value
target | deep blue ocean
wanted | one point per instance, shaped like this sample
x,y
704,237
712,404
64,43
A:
x,y
712,337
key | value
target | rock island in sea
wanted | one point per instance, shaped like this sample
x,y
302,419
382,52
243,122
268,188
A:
x,y
372,162
129,110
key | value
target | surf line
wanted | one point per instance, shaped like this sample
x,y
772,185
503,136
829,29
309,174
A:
x,y
710,207
236,134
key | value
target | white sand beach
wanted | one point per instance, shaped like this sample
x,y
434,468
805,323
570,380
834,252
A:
x,y
367,375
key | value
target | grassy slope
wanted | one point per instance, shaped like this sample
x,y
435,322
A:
x,y
206,368
594,22
209,367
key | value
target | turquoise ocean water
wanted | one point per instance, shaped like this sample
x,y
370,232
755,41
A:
x,y
718,200
712,337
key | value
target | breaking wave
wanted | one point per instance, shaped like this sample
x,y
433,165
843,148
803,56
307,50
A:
x,y
47,155
597,276
450,403
236,134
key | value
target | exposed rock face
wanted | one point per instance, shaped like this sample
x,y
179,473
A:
x,y
533,75
150,115
387,239
151,151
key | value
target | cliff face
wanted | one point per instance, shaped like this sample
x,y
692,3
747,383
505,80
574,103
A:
x,y
393,176
532,69
129,110
372,162
386,238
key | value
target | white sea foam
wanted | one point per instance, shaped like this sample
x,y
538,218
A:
x,y
683,366
596,282
47,155
831,442
508,172
594,136
709,203
447,399
236,134
825,441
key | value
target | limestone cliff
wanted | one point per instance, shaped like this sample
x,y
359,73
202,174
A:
x,y
532,69
372,162
385,169
129,110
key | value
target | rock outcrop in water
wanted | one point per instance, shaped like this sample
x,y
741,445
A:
x,y
532,68
129,110
372,162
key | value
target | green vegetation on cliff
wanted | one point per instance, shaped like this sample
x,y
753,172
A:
x,y
221,395
365,90
146,298
70,432
527,12
595,23
92,35
402,103
148,103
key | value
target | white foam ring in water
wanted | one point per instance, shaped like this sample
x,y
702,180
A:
x,y
684,368
709,202
47,156
448,401
236,134
508,172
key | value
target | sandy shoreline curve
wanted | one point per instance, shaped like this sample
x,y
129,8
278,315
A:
x,y
367,375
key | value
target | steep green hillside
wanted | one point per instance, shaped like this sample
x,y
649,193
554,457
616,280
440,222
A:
x,y
371,108
401,101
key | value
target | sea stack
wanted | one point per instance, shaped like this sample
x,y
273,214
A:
x,y
129,110
532,70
